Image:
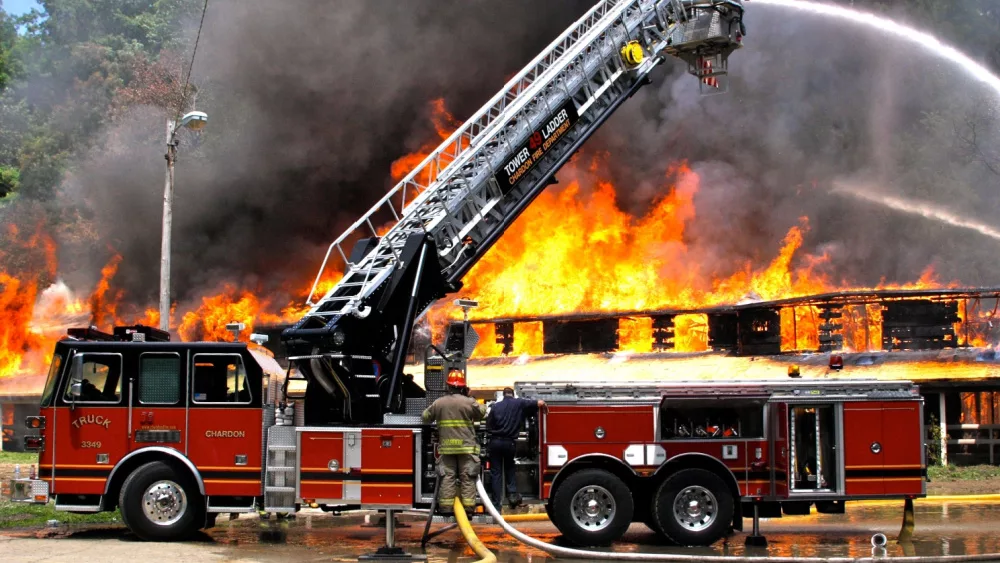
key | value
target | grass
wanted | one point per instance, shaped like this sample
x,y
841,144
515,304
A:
x,y
19,515
967,473
19,457
22,515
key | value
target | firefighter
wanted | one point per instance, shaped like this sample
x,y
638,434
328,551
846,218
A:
x,y
458,465
504,422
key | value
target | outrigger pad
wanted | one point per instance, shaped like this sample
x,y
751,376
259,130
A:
x,y
386,553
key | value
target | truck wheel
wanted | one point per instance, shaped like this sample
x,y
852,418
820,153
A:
x,y
693,507
160,504
592,507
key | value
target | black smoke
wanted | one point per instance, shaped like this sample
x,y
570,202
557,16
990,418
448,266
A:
x,y
310,102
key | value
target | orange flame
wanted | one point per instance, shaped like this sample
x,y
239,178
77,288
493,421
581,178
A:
x,y
22,348
575,250
104,306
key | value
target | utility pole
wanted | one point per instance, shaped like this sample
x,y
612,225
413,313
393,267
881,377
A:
x,y
194,120
168,202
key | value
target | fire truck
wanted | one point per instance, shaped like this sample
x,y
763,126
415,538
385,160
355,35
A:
x,y
173,434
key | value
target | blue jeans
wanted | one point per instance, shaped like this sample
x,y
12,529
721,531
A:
x,y
502,465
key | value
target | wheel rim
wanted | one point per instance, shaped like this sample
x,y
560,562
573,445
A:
x,y
164,503
593,508
695,508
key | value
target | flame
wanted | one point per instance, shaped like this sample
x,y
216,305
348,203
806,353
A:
x,y
104,305
208,321
575,250
21,347
444,124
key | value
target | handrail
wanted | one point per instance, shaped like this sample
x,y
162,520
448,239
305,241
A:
x,y
485,119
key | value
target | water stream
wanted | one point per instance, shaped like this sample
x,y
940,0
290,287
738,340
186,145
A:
x,y
921,208
923,39
934,46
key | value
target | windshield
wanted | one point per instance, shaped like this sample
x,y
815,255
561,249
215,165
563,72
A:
x,y
50,381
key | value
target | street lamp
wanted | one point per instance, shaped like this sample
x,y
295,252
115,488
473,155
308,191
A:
x,y
196,121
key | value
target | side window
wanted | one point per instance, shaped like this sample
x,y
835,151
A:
x,y
159,378
219,378
102,379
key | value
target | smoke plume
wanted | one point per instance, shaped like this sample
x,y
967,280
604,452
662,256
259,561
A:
x,y
310,102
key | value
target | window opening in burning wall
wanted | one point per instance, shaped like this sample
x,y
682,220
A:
x,y
684,419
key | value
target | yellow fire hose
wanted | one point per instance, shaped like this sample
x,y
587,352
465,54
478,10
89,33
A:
x,y
485,555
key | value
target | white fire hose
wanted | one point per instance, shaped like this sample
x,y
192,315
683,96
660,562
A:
x,y
572,553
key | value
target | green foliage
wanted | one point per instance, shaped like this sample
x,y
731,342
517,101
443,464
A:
x,y
88,61
10,179
934,448
9,66
967,473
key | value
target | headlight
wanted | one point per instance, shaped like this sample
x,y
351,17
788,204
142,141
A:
x,y
338,338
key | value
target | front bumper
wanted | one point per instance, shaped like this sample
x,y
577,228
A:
x,y
29,490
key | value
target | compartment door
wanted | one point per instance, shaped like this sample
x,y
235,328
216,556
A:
x,y
322,465
902,451
387,459
863,449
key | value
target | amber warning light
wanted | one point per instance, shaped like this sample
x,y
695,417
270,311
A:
x,y
35,422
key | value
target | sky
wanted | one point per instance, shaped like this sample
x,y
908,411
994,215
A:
x,y
18,7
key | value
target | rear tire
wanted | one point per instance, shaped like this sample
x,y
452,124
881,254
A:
x,y
693,507
592,507
159,503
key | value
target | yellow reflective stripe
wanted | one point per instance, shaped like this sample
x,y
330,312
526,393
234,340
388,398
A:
x,y
452,450
454,424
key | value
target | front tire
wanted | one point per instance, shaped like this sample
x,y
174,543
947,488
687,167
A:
x,y
159,503
693,507
592,508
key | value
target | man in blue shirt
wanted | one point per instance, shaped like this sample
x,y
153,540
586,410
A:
x,y
504,422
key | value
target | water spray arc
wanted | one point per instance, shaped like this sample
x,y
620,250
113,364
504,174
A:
x,y
923,209
891,27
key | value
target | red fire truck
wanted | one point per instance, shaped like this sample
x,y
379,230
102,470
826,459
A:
x,y
690,459
175,433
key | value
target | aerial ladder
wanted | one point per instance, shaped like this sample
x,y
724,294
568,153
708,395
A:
x,y
418,241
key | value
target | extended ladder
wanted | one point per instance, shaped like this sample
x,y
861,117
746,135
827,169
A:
x,y
472,186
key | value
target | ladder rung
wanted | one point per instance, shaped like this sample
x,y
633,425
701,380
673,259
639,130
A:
x,y
279,489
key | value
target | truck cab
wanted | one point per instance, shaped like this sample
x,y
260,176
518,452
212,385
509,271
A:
x,y
168,432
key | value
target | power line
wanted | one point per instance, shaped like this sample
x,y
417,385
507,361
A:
x,y
187,77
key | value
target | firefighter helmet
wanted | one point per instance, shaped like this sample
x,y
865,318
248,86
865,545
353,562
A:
x,y
456,378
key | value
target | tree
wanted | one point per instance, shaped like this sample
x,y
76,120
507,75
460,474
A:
x,y
9,180
9,67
